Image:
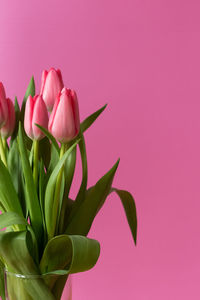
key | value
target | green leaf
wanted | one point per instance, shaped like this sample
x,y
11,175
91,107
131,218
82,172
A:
x,y
42,186
50,136
11,219
82,220
15,253
2,283
30,91
59,287
17,118
82,191
8,196
62,196
14,250
128,203
17,108
70,252
8,219
54,160
49,194
15,169
69,169
91,119
31,194
14,165
65,213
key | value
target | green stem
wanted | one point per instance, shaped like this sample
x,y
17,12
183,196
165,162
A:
x,y
63,207
35,161
2,152
57,195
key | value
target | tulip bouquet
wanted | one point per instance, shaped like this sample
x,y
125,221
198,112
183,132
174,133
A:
x,y
44,231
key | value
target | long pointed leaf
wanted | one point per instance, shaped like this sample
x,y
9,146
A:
x,y
17,117
128,203
91,119
82,191
30,91
8,196
15,169
82,220
31,194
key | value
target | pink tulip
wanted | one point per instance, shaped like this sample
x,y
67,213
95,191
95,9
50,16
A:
x,y
35,113
51,85
64,122
3,106
9,126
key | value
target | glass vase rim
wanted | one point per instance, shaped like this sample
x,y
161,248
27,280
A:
x,y
30,276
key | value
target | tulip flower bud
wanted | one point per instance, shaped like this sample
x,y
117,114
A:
x,y
9,126
3,106
64,122
51,85
35,113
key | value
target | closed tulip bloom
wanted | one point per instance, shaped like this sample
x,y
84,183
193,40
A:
x,y
35,113
64,122
3,106
9,126
51,85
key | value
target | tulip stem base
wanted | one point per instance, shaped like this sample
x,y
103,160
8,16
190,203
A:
x,y
2,152
35,161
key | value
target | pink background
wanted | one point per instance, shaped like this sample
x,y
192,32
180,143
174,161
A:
x,y
143,58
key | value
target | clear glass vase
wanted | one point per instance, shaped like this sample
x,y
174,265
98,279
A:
x,y
37,287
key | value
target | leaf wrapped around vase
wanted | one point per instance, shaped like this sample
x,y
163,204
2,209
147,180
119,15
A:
x,y
44,232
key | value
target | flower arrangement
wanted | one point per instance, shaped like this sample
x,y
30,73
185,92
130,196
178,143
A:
x,y
44,232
